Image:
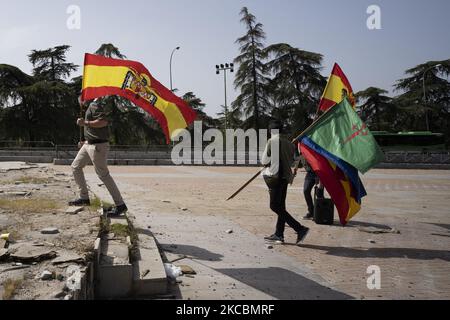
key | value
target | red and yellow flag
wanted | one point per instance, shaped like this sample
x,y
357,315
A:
x,y
129,79
337,88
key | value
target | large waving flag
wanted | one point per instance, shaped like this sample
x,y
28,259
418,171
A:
x,y
338,87
336,146
340,187
129,79
343,134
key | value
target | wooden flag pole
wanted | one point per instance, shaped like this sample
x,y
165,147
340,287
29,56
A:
x,y
314,122
246,184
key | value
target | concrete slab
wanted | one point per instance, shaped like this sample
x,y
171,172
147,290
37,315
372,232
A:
x,y
114,253
15,165
114,281
118,220
74,210
149,275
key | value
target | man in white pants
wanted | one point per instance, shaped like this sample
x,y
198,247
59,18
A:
x,y
95,149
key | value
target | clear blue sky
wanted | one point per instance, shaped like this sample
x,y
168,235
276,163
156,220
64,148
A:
x,y
147,31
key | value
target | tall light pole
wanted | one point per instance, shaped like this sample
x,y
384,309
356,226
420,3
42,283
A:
x,y
224,68
425,94
171,56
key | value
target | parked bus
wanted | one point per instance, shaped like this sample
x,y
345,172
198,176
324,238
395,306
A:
x,y
423,141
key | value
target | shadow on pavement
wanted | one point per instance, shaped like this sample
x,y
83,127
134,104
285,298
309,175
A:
x,y
367,225
283,284
441,225
192,252
410,253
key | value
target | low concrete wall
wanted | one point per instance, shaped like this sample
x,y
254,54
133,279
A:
x,y
393,160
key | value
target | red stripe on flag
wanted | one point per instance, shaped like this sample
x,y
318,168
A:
x,y
331,180
337,71
326,104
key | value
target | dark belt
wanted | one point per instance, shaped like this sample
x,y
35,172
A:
x,y
97,141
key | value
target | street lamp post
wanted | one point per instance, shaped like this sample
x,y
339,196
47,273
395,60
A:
x,y
224,68
425,94
171,56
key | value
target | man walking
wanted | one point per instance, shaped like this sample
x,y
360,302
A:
x,y
95,149
311,180
277,175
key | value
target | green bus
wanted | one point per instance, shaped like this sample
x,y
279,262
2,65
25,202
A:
x,y
423,141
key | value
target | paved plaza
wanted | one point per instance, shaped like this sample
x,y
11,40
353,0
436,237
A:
x,y
403,228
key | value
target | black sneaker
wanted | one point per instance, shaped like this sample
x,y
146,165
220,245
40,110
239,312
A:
x,y
308,216
302,234
274,238
80,203
118,210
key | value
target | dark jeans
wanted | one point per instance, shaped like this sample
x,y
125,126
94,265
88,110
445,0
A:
x,y
278,192
310,182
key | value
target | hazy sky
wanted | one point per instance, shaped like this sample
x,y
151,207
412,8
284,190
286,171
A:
x,y
147,31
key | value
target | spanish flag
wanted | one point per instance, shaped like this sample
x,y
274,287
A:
x,y
341,187
338,87
131,80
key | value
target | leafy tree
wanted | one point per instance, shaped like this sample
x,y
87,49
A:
x,y
50,64
110,51
376,108
250,76
435,108
297,84
197,104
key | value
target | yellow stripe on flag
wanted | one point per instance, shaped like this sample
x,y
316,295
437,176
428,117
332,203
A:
x,y
333,91
175,119
104,76
353,206
114,76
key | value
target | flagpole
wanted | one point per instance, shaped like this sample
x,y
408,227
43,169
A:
x,y
293,141
246,184
314,122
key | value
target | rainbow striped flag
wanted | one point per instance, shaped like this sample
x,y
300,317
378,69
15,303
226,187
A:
x,y
131,80
334,91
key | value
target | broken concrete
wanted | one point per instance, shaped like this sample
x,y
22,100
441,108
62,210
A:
x,y
150,277
27,252
187,269
74,210
66,257
375,230
46,275
50,231
74,278
3,253
9,166
115,273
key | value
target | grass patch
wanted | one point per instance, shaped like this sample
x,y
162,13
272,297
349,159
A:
x,y
10,286
29,205
120,230
97,203
32,180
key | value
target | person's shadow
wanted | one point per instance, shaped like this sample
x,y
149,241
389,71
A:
x,y
410,253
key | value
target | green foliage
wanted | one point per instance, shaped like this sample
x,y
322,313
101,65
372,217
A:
x,y
251,75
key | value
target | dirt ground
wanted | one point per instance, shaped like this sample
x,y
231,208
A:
x,y
32,200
